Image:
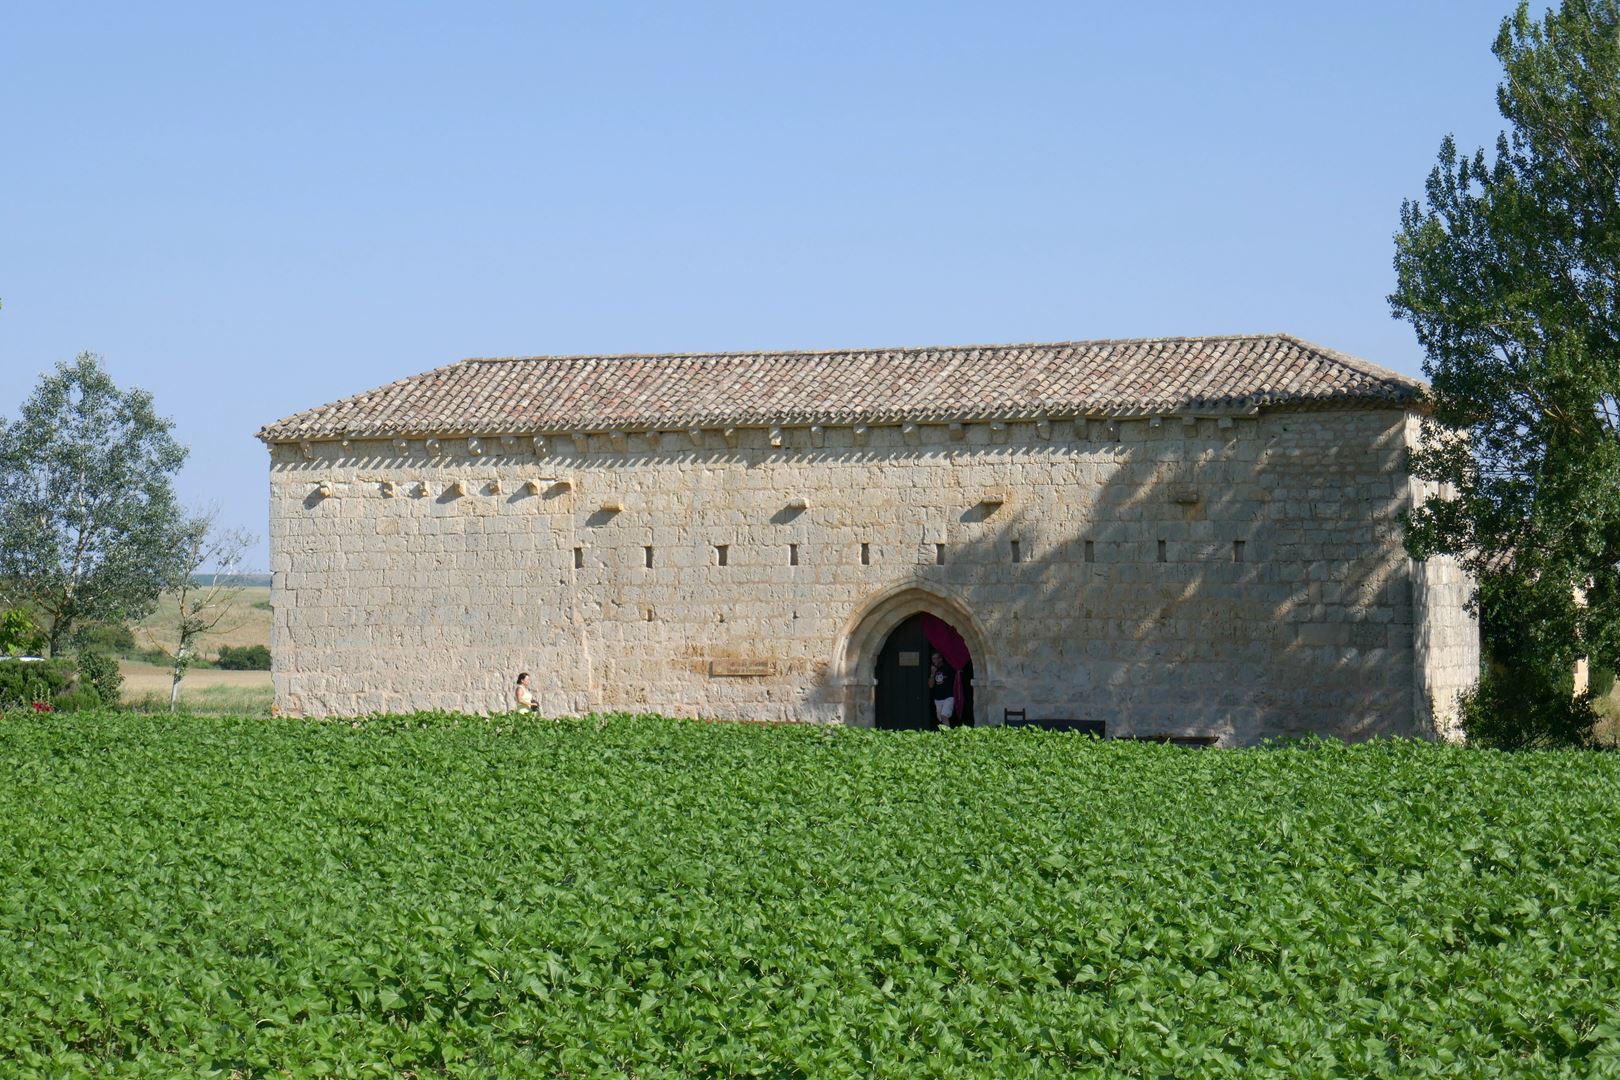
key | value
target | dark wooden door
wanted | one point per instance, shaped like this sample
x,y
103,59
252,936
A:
x,y
902,679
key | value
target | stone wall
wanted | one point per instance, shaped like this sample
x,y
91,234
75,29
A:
x,y
1241,577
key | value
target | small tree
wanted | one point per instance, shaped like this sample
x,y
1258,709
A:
x,y
204,602
1509,270
89,526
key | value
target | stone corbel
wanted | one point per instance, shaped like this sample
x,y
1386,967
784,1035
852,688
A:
x,y
475,446
818,435
433,446
387,489
325,490
509,443
775,435
423,489
860,432
306,449
458,488
619,439
958,432
909,432
998,431
696,435
582,442
402,445
730,435
345,444
1043,428
495,486
541,446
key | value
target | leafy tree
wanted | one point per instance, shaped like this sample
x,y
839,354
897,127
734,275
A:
x,y
89,526
1509,270
203,603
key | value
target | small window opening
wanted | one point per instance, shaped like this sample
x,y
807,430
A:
x,y
1091,551
866,554
1162,551
793,554
1017,552
579,558
1237,551
648,552
939,554
720,553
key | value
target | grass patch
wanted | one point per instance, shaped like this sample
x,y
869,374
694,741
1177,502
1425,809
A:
x,y
443,895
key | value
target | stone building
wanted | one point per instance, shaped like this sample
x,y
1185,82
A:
x,y
1196,536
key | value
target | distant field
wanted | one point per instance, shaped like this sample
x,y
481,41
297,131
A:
x,y
247,624
203,690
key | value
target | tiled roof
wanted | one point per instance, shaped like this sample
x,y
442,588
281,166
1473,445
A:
x,y
977,382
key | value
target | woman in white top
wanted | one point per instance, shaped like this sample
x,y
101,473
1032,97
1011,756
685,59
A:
x,y
524,695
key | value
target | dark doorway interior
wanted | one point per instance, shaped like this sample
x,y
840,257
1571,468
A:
x,y
902,681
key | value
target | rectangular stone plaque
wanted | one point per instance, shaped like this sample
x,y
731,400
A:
x,y
911,659
732,667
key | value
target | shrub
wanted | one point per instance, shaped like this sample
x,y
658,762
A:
x,y
82,699
244,658
19,635
23,683
101,672
1516,710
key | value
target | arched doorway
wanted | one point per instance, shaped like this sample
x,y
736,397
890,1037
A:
x,y
903,696
855,656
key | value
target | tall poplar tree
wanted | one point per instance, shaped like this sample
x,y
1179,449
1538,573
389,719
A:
x,y
89,526
1509,270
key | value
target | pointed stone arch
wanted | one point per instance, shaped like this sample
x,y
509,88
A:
x,y
855,656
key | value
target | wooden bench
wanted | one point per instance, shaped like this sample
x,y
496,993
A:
x,y
1020,718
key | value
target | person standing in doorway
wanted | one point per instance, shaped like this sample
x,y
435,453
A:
x,y
942,689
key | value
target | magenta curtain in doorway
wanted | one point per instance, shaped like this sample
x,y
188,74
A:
x,y
944,639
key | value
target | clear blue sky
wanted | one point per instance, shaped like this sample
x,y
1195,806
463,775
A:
x,y
254,209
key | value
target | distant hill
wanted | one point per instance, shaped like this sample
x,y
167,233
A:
x,y
250,581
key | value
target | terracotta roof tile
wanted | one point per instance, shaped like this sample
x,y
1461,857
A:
x,y
980,382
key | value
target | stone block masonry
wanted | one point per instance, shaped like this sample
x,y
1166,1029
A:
x,y
1240,577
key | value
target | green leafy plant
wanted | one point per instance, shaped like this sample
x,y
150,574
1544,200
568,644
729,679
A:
x,y
446,895
19,636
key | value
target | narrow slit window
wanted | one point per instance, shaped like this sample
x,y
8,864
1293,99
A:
x,y
1091,551
1017,552
793,554
1163,552
721,551
866,554
579,558
939,554
647,551
1237,551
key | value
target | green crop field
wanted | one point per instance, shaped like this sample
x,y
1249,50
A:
x,y
508,897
